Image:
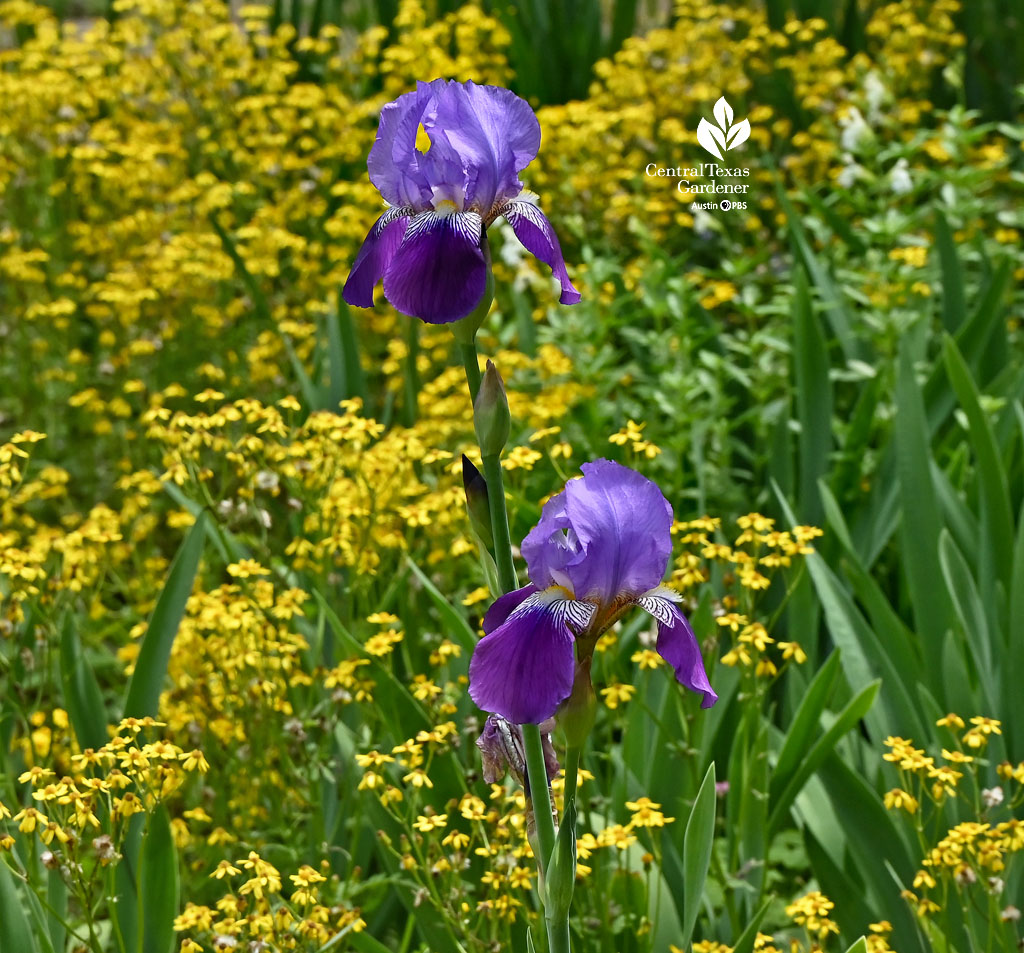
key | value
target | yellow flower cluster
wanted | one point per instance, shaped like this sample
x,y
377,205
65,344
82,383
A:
x,y
263,915
977,850
811,911
81,813
758,549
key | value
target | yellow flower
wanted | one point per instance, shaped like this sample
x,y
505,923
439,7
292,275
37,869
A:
x,y
898,798
646,659
646,813
430,822
617,694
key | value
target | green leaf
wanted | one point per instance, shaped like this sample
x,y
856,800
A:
x,y
126,889
455,622
847,719
697,844
745,943
143,697
813,400
865,655
82,693
867,824
365,943
920,521
15,928
831,295
979,655
996,549
860,946
954,303
158,884
805,725
1015,657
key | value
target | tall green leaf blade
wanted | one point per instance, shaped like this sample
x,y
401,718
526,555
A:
x,y
996,549
15,928
834,304
159,887
697,844
455,622
143,697
813,400
980,654
823,747
920,520
1015,657
82,694
954,302
867,824
746,940
805,724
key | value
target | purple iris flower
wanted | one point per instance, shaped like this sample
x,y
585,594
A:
x,y
602,545
429,245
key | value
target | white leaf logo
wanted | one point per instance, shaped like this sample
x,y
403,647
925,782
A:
x,y
726,135
706,137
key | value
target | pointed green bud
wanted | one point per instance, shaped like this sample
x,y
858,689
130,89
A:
x,y
575,717
560,873
476,501
490,413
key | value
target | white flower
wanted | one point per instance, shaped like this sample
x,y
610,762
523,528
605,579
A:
x,y
856,132
992,797
899,178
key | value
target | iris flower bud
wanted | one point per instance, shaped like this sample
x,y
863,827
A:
x,y
491,417
476,501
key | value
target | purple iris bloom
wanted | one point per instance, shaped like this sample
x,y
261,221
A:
x,y
602,545
429,245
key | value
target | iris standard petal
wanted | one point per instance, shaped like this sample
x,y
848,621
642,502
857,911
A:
x,y
677,643
551,545
524,668
496,133
503,606
623,522
438,273
395,164
373,259
538,237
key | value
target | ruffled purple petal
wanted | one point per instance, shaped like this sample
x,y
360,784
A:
x,y
678,645
524,668
395,164
551,546
623,523
538,237
438,273
373,259
481,137
496,134
503,607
